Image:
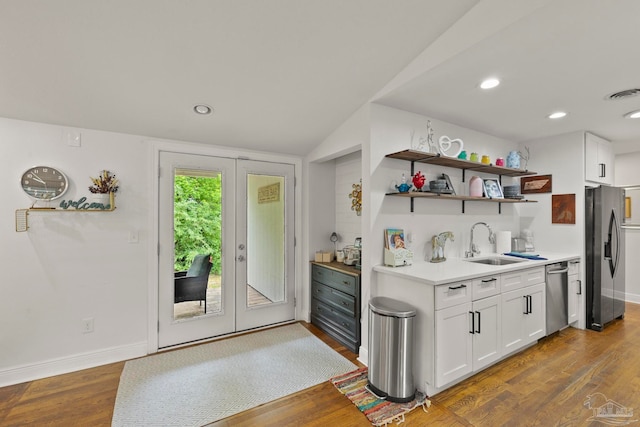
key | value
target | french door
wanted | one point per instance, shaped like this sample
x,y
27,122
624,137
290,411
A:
x,y
230,221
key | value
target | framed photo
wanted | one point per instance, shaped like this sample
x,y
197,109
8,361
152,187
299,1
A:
x,y
492,189
449,184
535,184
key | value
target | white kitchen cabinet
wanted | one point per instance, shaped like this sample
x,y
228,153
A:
x,y
454,353
523,317
575,292
599,159
467,333
486,323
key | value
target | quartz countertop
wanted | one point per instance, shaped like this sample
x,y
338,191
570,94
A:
x,y
457,269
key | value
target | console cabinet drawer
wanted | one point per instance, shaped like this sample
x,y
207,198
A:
x,y
342,281
344,302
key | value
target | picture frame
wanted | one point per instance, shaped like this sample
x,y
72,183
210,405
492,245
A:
x,y
449,184
535,184
492,189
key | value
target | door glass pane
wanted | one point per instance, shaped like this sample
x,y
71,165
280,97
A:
x,y
265,240
197,217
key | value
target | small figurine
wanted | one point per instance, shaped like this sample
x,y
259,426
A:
x,y
418,180
437,246
403,187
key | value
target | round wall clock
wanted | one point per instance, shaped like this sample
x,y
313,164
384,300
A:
x,y
44,183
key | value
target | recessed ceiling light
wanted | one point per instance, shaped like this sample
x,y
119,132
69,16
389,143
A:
x,y
557,115
633,115
202,109
489,83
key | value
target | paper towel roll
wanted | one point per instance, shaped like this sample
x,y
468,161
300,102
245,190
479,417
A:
x,y
503,242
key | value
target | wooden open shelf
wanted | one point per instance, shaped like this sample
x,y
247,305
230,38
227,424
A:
x,y
452,162
414,156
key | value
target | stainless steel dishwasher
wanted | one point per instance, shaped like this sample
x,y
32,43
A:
x,y
557,296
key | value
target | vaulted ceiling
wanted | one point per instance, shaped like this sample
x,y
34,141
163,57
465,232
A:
x,y
281,75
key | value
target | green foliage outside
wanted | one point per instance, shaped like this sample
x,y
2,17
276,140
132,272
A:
x,y
197,220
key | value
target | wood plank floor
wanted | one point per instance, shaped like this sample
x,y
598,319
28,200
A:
x,y
545,385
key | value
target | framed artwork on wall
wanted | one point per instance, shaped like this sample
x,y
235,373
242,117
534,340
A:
x,y
535,184
563,209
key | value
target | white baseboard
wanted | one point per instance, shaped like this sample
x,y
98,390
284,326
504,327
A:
x,y
635,298
363,356
77,362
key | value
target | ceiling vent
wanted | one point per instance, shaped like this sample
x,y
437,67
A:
x,y
624,94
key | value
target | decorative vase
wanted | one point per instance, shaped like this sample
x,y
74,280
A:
x,y
103,198
475,186
513,160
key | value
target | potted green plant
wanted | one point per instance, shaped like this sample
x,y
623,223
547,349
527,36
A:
x,y
104,188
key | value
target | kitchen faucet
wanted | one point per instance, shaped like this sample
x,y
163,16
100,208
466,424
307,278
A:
x,y
473,249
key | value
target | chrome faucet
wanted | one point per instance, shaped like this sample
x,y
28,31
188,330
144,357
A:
x,y
473,249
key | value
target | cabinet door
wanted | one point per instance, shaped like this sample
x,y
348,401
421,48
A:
x,y
599,159
487,345
535,322
514,307
575,290
454,357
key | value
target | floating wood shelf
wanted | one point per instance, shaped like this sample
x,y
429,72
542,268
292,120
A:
x,y
452,162
414,156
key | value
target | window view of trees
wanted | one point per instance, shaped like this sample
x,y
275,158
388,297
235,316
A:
x,y
197,220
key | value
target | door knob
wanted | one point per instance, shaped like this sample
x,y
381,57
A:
x,y
241,258
241,246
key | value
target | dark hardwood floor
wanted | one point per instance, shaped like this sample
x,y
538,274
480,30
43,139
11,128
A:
x,y
545,385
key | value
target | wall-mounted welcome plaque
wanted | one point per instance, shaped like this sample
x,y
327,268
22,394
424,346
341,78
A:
x,y
269,193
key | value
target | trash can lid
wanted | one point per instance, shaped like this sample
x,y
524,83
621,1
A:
x,y
390,307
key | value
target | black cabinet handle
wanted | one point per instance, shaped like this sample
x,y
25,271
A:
x,y
489,280
453,288
473,323
579,287
478,330
603,170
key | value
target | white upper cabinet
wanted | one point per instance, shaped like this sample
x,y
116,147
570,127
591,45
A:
x,y
599,159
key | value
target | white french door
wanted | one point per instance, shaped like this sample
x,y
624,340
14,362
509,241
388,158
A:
x,y
240,213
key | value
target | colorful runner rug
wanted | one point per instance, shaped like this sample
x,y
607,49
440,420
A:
x,y
378,411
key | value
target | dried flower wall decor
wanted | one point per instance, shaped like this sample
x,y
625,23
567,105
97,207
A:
x,y
105,183
356,198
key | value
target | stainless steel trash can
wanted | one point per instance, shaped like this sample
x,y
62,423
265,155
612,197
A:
x,y
391,349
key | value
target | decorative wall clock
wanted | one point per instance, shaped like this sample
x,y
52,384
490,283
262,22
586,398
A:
x,y
44,183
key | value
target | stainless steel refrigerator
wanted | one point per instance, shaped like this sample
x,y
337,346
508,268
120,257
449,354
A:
x,y
605,276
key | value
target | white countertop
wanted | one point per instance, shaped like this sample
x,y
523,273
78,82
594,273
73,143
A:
x,y
457,269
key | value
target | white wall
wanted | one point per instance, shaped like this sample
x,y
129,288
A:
x,y
348,223
562,157
628,173
71,266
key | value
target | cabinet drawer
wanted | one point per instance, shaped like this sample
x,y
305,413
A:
x,y
335,316
485,287
521,278
335,279
452,294
574,267
335,298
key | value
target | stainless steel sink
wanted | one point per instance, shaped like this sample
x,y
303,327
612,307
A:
x,y
494,261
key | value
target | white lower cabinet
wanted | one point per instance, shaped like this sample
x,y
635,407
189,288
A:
x,y
523,317
575,292
475,328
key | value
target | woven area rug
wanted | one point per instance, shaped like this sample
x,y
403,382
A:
x,y
378,411
205,383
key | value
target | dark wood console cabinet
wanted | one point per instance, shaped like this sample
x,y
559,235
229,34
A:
x,y
335,302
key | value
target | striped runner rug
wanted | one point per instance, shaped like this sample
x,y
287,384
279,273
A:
x,y
378,411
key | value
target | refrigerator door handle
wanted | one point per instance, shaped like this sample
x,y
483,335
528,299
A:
x,y
617,230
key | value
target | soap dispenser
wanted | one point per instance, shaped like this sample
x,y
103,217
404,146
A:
x,y
475,186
